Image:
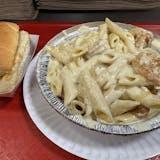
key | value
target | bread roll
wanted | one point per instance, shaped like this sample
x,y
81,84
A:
x,y
9,37
10,80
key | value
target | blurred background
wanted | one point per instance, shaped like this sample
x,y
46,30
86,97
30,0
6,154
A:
x,y
81,10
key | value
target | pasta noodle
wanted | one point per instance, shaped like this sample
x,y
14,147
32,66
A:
x,y
133,80
117,44
119,107
126,118
84,43
112,95
77,107
145,97
113,27
97,75
54,77
95,96
69,88
60,53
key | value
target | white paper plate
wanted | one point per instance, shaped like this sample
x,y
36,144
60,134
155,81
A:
x,y
80,141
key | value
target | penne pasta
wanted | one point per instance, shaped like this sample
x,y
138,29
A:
x,y
108,74
77,107
126,118
133,80
95,96
114,28
111,95
119,107
145,97
61,54
69,88
54,76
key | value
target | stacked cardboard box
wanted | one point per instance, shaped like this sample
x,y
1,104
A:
x,y
17,10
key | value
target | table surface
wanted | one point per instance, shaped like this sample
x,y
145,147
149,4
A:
x,y
19,137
